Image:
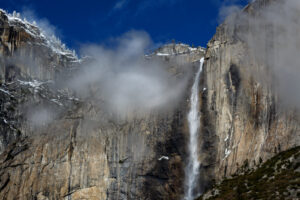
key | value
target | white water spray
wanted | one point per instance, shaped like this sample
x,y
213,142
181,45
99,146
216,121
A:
x,y
192,169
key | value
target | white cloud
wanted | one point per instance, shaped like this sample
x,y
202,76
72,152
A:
x,y
229,7
120,4
42,23
273,40
226,11
126,82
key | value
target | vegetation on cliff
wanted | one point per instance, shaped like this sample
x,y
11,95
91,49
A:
x,y
277,178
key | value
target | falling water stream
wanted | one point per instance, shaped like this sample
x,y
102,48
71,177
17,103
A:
x,y
192,169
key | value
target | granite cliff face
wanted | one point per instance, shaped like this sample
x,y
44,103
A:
x,y
244,119
37,55
80,152
72,147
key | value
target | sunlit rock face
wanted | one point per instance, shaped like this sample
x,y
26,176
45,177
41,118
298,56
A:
x,y
27,51
57,146
180,52
245,119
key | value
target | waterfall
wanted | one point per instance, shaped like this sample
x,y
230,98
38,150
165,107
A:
x,y
192,169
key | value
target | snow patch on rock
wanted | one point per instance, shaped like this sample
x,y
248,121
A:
x,y
50,41
163,158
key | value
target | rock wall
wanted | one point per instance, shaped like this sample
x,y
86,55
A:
x,y
27,52
83,151
243,119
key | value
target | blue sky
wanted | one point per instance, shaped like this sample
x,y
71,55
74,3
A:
x,y
79,22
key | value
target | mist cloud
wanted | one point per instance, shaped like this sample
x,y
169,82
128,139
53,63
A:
x,y
45,26
120,4
226,11
273,37
40,116
229,8
117,75
120,77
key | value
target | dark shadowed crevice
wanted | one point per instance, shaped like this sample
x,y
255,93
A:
x,y
233,82
11,73
207,137
165,179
